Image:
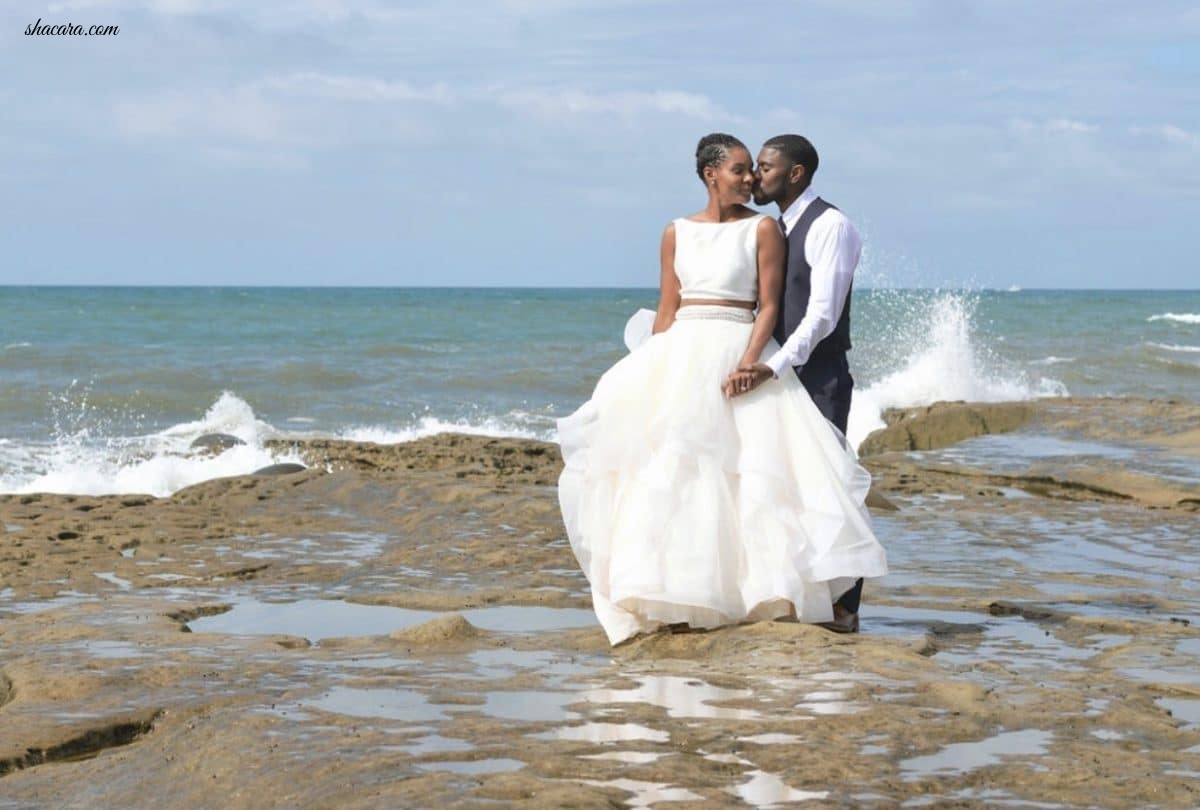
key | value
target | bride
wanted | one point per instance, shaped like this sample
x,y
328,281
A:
x,y
684,504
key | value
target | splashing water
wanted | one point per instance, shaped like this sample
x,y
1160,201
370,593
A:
x,y
82,459
929,352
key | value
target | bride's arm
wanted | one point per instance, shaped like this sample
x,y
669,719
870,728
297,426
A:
x,y
771,249
668,287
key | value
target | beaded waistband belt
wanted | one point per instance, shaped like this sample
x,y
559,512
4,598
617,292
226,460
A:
x,y
714,312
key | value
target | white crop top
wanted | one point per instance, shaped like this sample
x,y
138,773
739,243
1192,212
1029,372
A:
x,y
717,260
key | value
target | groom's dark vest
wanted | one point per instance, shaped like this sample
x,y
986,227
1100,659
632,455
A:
x,y
797,287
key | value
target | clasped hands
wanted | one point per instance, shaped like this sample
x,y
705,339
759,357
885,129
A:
x,y
745,379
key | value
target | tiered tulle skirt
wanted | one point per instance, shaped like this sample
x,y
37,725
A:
x,y
683,506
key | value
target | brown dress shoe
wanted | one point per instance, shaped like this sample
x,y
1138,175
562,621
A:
x,y
843,621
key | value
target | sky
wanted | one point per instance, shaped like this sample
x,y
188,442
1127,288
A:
x,y
975,143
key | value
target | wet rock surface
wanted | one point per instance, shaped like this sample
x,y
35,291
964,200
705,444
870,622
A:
x,y
943,424
406,626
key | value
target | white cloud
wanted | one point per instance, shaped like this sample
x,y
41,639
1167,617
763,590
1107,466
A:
x,y
157,6
1170,133
354,88
240,114
1067,125
292,110
1051,126
551,103
313,110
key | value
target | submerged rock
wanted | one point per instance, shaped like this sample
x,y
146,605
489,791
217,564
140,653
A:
x,y
215,443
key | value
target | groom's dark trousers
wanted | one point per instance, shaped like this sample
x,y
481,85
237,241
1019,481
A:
x,y
826,375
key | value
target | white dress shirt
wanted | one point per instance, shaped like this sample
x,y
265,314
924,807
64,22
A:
x,y
832,249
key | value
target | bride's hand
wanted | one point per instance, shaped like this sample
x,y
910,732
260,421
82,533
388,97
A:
x,y
738,382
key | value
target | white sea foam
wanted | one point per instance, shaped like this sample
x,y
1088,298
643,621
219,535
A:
x,y
432,426
84,462
1175,348
943,361
1184,317
229,414
1052,360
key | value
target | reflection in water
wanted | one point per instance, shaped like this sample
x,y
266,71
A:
x,y
647,794
827,702
681,697
768,790
605,733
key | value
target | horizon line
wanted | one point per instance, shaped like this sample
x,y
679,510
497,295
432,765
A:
x,y
1014,288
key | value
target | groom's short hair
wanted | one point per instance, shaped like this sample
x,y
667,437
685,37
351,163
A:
x,y
797,149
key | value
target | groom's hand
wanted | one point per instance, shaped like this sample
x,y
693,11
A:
x,y
747,378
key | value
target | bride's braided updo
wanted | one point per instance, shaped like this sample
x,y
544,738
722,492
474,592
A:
x,y
713,150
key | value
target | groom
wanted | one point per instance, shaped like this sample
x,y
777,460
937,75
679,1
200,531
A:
x,y
813,330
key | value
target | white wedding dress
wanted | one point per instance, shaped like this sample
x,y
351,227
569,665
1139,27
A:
x,y
684,506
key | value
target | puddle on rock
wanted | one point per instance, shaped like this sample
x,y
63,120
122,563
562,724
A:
x,y
317,619
1016,452
435,744
528,706
1019,645
475,766
959,758
1182,709
392,704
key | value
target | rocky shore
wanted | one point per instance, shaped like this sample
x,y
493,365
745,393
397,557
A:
x,y
405,625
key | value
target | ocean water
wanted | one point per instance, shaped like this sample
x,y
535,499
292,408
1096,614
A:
x,y
105,388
